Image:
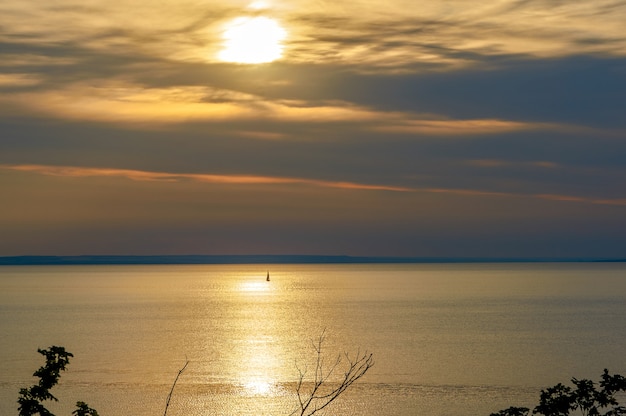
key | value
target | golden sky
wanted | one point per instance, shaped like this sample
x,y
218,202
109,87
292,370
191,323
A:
x,y
405,128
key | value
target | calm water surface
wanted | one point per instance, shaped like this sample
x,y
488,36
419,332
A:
x,y
447,339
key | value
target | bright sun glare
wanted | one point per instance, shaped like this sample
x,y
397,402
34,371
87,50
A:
x,y
258,387
252,40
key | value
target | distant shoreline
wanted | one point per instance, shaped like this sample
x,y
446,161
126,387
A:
x,y
271,259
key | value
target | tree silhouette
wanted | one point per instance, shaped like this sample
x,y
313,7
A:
x,y
585,398
31,399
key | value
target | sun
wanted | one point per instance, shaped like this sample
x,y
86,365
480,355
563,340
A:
x,y
252,40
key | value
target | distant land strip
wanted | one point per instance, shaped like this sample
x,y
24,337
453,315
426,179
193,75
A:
x,y
270,259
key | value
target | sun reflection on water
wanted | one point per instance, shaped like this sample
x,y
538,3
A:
x,y
260,348
254,287
258,387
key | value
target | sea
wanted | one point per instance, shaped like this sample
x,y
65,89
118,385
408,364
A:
x,y
446,339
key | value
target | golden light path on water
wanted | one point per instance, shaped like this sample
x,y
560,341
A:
x,y
259,346
253,39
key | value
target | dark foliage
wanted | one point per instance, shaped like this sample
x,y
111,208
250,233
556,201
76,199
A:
x,y
512,411
30,399
585,398
83,410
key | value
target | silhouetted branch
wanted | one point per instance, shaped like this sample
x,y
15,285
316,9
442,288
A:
x,y
169,396
323,392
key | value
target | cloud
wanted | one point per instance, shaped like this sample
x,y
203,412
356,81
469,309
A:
x,y
391,38
18,80
338,151
153,107
492,163
468,128
580,86
580,90
137,175
203,178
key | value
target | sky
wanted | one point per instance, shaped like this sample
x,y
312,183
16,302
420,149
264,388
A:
x,y
389,128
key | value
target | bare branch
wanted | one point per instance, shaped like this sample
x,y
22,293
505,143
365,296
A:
x,y
323,392
169,396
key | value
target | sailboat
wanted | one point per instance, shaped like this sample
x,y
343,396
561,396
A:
x,y
267,279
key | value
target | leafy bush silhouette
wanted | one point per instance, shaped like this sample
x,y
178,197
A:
x,y
585,397
31,399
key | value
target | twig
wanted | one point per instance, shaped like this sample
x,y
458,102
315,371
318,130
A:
x,y
321,394
169,396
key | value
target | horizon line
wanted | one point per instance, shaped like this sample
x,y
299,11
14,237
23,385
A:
x,y
191,259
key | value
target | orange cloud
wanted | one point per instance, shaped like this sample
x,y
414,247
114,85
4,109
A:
x,y
139,175
568,198
457,127
494,163
126,103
